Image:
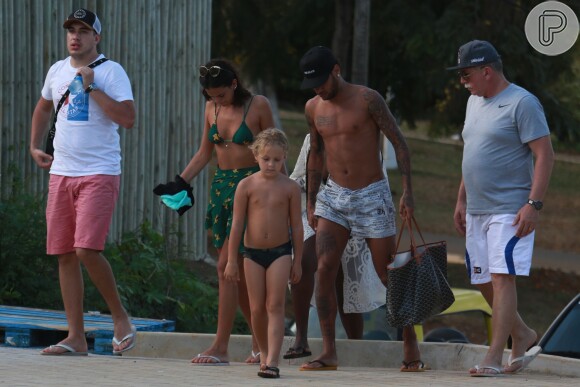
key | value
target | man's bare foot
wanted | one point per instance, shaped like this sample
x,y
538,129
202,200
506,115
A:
x,y
485,371
122,333
254,358
209,357
67,347
414,366
520,345
319,365
297,352
481,369
518,364
411,353
324,362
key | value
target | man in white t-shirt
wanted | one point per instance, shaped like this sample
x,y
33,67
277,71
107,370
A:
x,y
84,174
500,196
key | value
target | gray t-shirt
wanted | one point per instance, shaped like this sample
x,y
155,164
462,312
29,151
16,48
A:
x,y
497,162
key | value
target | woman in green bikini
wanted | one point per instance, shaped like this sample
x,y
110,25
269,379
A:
x,y
233,117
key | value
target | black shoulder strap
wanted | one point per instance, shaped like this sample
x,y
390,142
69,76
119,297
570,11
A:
x,y
98,62
52,130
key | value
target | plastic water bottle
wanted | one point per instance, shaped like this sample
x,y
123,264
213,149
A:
x,y
76,86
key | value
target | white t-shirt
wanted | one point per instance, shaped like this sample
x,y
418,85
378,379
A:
x,y
86,140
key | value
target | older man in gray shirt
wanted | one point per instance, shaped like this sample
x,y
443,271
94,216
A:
x,y
500,196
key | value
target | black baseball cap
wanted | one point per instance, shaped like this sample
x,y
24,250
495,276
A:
x,y
475,53
86,17
316,65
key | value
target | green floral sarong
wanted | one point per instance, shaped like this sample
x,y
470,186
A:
x,y
221,199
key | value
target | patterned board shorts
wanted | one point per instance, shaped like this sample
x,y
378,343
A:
x,y
362,288
367,212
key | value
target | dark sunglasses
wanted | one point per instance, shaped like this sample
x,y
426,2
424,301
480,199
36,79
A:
x,y
465,75
213,71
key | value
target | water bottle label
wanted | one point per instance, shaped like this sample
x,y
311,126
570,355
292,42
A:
x,y
78,101
76,85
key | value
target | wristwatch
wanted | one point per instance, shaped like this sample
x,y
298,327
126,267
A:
x,y
92,87
536,204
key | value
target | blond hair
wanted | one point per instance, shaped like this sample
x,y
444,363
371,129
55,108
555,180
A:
x,y
267,137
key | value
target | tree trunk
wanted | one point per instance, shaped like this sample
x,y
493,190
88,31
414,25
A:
x,y
342,38
267,89
360,46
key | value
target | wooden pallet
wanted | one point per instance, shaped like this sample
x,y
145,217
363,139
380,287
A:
x,y
28,327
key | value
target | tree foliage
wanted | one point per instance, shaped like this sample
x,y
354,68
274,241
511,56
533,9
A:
x,y
267,38
411,44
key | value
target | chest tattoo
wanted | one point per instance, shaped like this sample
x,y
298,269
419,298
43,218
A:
x,y
325,121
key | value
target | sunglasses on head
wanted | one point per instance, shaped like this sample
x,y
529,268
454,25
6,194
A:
x,y
213,71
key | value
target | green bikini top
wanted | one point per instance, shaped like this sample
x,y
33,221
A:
x,y
243,135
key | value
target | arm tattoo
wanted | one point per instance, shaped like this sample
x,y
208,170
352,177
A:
x,y
314,180
314,163
386,123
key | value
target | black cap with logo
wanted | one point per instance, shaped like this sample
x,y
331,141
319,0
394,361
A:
x,y
316,65
475,53
86,17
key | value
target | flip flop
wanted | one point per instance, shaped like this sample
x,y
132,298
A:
x,y
255,359
131,336
528,357
297,352
496,372
268,375
407,366
323,366
68,351
216,361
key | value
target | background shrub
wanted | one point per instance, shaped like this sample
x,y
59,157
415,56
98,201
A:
x,y
155,283
152,279
28,277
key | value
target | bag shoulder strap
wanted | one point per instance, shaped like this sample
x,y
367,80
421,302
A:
x,y
97,62
418,229
409,226
65,95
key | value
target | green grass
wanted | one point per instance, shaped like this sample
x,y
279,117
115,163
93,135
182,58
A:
x,y
294,125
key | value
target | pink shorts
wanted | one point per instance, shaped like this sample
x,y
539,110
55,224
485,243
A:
x,y
79,212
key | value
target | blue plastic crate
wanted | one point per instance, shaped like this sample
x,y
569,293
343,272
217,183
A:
x,y
25,327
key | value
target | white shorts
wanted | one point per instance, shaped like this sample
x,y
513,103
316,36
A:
x,y
493,248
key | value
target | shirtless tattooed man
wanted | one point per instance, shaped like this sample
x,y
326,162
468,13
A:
x,y
345,122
